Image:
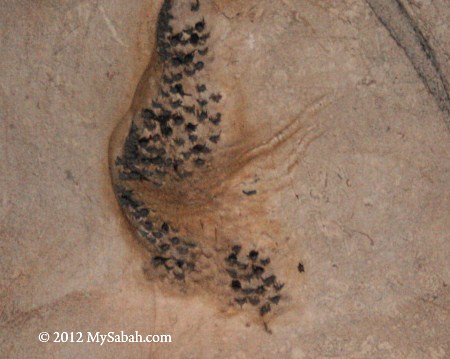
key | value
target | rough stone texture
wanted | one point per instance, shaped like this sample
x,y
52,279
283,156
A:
x,y
359,193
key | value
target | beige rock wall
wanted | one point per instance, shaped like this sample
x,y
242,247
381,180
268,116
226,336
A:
x,y
359,193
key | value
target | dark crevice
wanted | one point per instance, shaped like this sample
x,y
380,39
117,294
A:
x,y
408,36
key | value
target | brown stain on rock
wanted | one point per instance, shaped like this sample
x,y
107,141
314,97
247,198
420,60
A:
x,y
208,208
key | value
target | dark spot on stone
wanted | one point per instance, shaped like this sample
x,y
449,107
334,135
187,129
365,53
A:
x,y
150,124
179,141
202,102
143,141
257,270
165,227
260,290
199,65
131,146
201,88
177,163
158,160
232,273
216,97
203,115
194,39
166,131
177,77
176,104
275,299
179,275
148,114
190,127
199,161
157,261
236,249
148,225
195,6
178,88
249,193
200,149
178,120
119,161
253,255
265,309
126,199
164,247
236,284
214,138
186,155
143,212
189,109
169,264
200,26
167,79
232,258
203,38
254,300
177,61
164,117
248,291
156,104
188,30
203,51
269,280
188,58
265,261
176,39
156,138
129,176
216,119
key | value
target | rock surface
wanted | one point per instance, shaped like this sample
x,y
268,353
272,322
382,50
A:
x,y
325,116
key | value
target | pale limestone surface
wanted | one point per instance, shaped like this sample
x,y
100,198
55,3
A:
x,y
366,205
